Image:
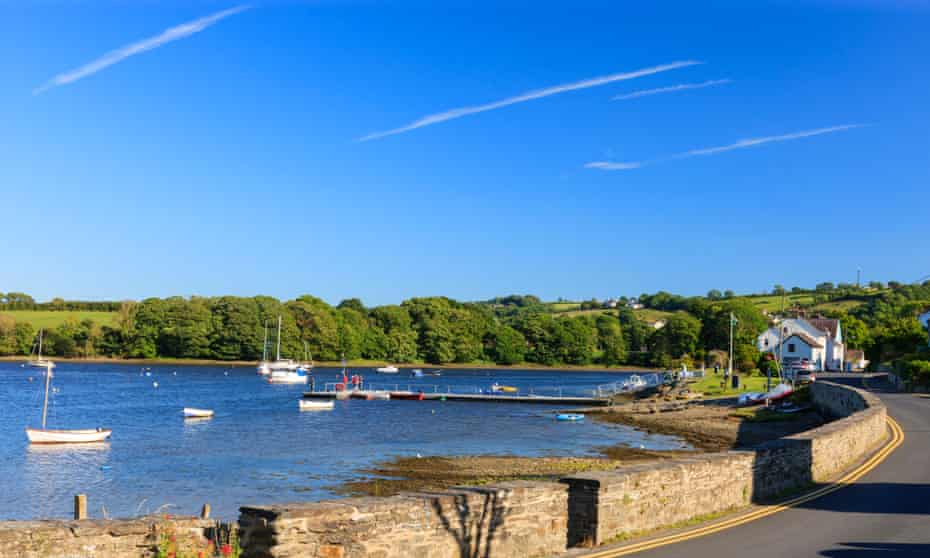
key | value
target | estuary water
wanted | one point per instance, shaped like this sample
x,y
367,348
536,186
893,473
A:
x,y
259,448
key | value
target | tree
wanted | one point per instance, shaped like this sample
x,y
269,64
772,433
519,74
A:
x,y
680,336
506,345
824,287
610,341
728,294
714,294
778,290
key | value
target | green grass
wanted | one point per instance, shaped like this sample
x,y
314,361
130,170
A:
x,y
772,303
709,385
48,319
651,315
559,307
839,305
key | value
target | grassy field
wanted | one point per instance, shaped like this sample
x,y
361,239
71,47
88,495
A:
x,y
709,385
772,303
48,319
564,306
839,305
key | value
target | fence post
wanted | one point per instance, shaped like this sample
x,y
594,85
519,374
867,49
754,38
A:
x,y
80,506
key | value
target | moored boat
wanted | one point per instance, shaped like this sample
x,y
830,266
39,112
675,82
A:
x,y
569,417
47,436
497,388
192,412
389,369
315,405
85,436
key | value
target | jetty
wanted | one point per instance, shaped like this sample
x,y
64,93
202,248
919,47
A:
x,y
410,395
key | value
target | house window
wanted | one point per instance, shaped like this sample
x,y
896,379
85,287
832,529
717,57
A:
x,y
790,347
766,342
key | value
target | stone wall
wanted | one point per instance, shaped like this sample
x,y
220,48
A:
x,y
633,499
509,519
92,538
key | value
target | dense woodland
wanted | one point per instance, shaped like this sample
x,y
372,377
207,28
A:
x,y
506,330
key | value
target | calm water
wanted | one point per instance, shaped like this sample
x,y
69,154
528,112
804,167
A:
x,y
258,448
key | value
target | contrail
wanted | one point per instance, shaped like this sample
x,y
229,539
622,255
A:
x,y
528,96
670,89
741,144
114,56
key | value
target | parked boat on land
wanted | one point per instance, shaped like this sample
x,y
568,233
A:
x,y
315,405
192,412
46,436
389,369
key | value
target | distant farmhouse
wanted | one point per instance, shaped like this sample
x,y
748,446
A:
x,y
818,341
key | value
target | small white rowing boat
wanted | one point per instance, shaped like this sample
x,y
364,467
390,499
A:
x,y
44,436
312,405
191,412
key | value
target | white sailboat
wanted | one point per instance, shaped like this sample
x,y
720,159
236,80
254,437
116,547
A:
x,y
46,436
286,371
264,367
40,362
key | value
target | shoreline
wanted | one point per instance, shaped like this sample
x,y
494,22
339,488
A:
x,y
523,367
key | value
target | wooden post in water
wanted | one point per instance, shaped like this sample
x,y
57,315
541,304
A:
x,y
205,512
80,506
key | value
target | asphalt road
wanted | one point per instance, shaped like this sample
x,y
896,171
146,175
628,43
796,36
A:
x,y
885,513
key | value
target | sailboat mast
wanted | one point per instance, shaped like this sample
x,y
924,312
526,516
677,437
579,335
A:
x,y
279,339
48,380
265,344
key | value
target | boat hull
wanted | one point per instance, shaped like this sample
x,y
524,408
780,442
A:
x,y
40,436
310,405
190,412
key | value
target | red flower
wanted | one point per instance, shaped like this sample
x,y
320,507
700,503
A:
x,y
200,554
174,538
226,550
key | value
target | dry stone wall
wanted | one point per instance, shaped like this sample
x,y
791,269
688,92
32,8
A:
x,y
510,519
91,538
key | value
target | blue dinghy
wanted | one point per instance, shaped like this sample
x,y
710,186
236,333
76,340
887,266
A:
x,y
569,417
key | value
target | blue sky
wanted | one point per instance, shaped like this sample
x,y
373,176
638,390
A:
x,y
229,160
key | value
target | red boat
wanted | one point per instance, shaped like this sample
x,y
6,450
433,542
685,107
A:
x,y
407,395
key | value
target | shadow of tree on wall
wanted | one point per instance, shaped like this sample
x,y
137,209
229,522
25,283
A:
x,y
873,550
473,518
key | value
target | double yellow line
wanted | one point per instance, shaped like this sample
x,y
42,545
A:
x,y
897,438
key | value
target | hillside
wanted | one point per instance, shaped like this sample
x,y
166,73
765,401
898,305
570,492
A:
x,y
48,319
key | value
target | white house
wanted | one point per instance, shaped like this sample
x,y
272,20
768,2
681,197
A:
x,y
819,340
855,360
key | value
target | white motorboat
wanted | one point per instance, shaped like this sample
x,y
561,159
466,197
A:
x,y
315,405
191,412
389,369
47,436
40,362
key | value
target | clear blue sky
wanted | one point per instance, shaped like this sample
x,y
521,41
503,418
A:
x,y
228,161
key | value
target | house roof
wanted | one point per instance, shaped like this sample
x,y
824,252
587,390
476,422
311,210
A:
x,y
806,338
825,324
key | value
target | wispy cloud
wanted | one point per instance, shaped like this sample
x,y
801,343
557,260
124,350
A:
x,y
608,166
670,89
528,96
114,56
741,144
